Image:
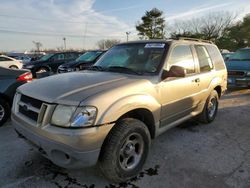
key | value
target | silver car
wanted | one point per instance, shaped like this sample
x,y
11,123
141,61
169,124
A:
x,y
110,113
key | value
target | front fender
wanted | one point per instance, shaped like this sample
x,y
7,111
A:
x,y
123,105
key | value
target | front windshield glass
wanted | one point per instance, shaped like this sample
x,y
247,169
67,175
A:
x,y
133,58
46,57
89,56
241,55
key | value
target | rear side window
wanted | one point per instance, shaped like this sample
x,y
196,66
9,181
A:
x,y
58,57
205,61
71,56
5,59
182,56
216,57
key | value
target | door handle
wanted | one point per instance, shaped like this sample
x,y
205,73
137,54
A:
x,y
196,80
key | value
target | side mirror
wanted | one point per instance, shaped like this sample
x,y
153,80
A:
x,y
175,71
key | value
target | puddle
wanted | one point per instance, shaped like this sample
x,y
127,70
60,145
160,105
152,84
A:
x,y
59,177
130,183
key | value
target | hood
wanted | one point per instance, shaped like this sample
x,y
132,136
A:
x,y
238,65
72,88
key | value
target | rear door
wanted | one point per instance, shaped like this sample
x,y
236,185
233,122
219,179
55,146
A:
x,y
179,95
57,60
206,69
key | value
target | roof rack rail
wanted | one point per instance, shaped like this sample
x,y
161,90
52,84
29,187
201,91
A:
x,y
193,39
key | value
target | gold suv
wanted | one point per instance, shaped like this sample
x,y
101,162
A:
x,y
110,113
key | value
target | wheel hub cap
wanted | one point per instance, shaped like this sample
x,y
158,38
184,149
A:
x,y
131,151
212,107
2,112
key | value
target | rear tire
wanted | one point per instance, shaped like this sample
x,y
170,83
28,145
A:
x,y
210,109
4,111
125,150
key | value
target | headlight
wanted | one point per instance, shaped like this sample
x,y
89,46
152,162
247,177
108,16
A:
x,y
84,117
62,115
70,116
248,73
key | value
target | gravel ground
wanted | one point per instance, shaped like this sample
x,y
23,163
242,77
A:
x,y
191,155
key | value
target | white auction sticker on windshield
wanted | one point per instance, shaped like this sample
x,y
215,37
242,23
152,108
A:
x,y
155,45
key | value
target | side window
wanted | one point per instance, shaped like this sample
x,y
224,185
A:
x,y
204,58
58,57
182,56
5,59
70,56
216,57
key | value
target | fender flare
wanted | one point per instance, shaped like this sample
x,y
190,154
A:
x,y
124,105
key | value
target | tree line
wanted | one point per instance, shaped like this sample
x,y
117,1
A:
x,y
219,27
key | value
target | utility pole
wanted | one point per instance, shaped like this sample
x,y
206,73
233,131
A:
x,y
84,35
64,40
128,33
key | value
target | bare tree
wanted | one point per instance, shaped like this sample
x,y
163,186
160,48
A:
x,y
209,26
106,44
38,45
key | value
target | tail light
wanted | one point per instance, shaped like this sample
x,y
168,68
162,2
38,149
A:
x,y
25,77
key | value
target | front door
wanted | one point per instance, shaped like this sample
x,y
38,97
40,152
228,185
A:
x,y
179,96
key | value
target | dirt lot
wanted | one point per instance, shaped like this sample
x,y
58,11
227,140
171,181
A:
x,y
191,155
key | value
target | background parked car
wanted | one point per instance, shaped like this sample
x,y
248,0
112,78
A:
x,y
24,59
50,62
227,55
9,62
238,66
83,62
10,80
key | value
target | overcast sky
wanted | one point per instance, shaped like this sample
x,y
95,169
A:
x,y
84,22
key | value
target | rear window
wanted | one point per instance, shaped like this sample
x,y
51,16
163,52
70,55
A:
x,y
216,57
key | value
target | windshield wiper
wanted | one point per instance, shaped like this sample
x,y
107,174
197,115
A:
x,y
123,69
96,67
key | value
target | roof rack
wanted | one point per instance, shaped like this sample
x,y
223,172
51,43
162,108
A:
x,y
193,39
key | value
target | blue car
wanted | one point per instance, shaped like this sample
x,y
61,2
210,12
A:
x,y
238,67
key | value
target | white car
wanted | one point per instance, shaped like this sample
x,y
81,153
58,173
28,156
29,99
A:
x,y
9,62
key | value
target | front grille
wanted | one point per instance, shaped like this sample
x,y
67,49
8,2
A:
x,y
236,73
30,114
29,107
34,102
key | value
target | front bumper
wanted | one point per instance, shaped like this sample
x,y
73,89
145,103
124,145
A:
x,y
238,81
68,148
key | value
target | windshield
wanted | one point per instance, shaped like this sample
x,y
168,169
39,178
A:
x,y
241,55
46,57
133,58
89,56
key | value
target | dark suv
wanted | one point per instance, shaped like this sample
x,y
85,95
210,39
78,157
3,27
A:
x,y
50,62
81,63
238,66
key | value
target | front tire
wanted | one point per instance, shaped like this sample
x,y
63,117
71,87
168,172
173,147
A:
x,y
125,150
210,109
4,111
42,70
